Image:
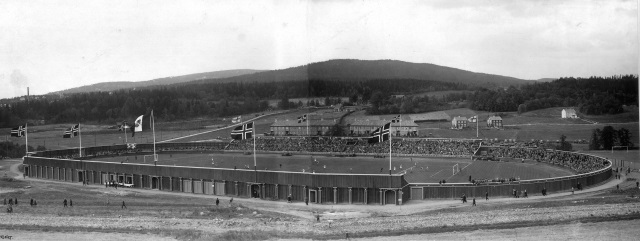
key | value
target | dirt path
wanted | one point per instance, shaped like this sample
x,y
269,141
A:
x,y
615,230
93,236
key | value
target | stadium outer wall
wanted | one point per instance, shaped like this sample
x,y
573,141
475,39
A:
x,y
334,188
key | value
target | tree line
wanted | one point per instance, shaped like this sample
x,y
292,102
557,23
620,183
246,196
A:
x,y
592,96
609,137
13,150
178,102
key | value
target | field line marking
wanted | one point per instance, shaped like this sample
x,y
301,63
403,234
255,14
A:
x,y
465,166
436,173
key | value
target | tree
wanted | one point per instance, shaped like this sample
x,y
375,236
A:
x,y
594,142
607,137
522,108
336,130
624,137
564,144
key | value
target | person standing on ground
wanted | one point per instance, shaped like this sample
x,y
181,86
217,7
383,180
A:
x,y
64,203
230,201
474,201
217,201
486,196
306,201
525,193
70,203
123,205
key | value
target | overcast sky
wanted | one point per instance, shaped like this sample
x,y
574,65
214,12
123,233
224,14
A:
x,y
55,45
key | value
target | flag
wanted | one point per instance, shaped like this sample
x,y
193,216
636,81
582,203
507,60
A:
x,y
139,124
302,119
123,126
381,134
396,119
242,132
137,127
236,119
71,132
18,131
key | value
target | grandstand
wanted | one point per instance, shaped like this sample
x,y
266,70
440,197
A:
x,y
346,167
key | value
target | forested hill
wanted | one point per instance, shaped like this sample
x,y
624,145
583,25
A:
x,y
360,70
111,86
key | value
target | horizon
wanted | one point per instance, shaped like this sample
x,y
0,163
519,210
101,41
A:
x,y
65,44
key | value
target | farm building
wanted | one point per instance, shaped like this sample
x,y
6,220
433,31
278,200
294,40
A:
x,y
494,121
294,128
459,122
569,113
365,127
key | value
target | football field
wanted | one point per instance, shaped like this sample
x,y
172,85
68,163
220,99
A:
x,y
416,169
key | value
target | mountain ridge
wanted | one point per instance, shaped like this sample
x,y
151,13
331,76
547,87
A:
x,y
351,69
117,85
335,69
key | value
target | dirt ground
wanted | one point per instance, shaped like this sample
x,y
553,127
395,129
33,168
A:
x,y
599,213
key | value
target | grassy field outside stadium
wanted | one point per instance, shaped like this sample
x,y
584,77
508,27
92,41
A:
x,y
416,169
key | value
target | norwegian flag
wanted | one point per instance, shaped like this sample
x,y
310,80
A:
x,y
396,119
18,131
243,132
302,119
381,134
71,132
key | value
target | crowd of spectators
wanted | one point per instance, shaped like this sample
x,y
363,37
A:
x,y
354,146
577,162
357,146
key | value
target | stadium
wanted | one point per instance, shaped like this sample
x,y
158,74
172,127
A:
x,y
327,170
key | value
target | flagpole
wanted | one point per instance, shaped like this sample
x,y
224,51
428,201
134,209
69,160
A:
x,y
125,133
389,149
153,129
400,120
26,139
477,125
254,144
80,135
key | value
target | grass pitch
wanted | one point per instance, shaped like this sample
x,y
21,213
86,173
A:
x,y
416,169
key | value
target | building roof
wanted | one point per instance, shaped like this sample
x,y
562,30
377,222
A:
x,y
459,118
569,111
378,122
294,123
494,118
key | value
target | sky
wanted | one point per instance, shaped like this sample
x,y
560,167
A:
x,y
54,45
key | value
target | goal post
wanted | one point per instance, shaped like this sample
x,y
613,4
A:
x,y
621,147
456,169
150,158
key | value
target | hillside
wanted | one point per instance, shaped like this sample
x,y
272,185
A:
x,y
110,86
356,70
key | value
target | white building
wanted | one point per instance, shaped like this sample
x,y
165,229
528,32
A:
x,y
569,113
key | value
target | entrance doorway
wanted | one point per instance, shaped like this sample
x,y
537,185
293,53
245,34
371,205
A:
x,y
390,197
155,183
80,176
255,191
313,196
